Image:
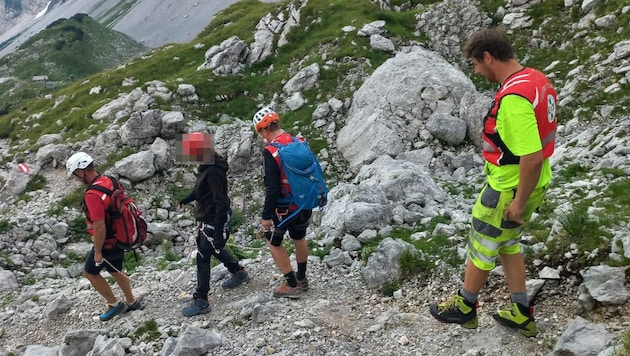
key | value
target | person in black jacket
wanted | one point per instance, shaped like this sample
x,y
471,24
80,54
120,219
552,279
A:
x,y
213,214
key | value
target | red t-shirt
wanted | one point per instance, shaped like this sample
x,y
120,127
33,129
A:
x,y
96,202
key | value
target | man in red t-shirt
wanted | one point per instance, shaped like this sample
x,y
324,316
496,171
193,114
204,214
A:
x,y
81,166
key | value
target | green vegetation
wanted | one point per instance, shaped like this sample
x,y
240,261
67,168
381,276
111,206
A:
x,y
388,288
573,172
71,259
168,253
6,300
29,281
148,331
626,342
71,200
369,248
132,261
588,229
555,23
326,21
77,229
5,260
237,219
36,183
5,226
431,251
164,262
320,252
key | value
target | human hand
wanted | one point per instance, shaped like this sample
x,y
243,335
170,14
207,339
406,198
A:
x,y
98,258
514,212
266,224
218,242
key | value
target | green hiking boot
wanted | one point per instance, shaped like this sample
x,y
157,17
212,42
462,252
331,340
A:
x,y
456,310
519,317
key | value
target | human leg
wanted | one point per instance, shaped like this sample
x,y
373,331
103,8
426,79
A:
x,y
238,274
520,314
280,256
101,286
125,285
113,260
204,251
297,232
92,273
514,268
482,251
200,303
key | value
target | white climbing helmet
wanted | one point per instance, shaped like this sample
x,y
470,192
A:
x,y
264,117
79,160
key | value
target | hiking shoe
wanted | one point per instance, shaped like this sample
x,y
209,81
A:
x,y
198,306
519,317
136,305
287,291
456,310
236,280
303,284
112,311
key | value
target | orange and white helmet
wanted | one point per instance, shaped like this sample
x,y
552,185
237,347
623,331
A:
x,y
264,117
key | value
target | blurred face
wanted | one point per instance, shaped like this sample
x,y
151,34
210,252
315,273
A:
x,y
484,67
196,148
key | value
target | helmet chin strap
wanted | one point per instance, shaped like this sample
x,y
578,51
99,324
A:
x,y
84,179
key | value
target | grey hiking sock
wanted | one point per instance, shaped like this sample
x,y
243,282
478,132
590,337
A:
x,y
469,297
520,298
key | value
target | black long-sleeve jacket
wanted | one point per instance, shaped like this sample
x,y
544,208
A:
x,y
211,194
273,185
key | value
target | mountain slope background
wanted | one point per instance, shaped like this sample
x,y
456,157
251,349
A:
x,y
149,22
66,51
583,223
71,49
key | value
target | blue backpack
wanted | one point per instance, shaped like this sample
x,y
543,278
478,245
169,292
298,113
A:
x,y
304,175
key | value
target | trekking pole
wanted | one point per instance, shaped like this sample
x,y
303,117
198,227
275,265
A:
x,y
114,268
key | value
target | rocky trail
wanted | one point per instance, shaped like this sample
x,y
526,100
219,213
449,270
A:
x,y
338,315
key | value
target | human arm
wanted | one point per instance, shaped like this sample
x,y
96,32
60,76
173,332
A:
x,y
271,178
95,214
189,198
530,167
100,231
518,126
216,181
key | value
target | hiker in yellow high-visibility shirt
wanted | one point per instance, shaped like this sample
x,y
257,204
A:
x,y
518,139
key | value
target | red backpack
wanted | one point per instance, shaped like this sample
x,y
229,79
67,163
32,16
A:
x,y
126,228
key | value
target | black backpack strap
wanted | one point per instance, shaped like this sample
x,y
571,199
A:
x,y
102,189
114,182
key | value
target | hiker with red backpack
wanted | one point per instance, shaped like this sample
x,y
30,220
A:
x,y
282,211
213,214
105,251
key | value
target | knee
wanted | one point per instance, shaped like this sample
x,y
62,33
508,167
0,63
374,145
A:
x,y
88,275
275,241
